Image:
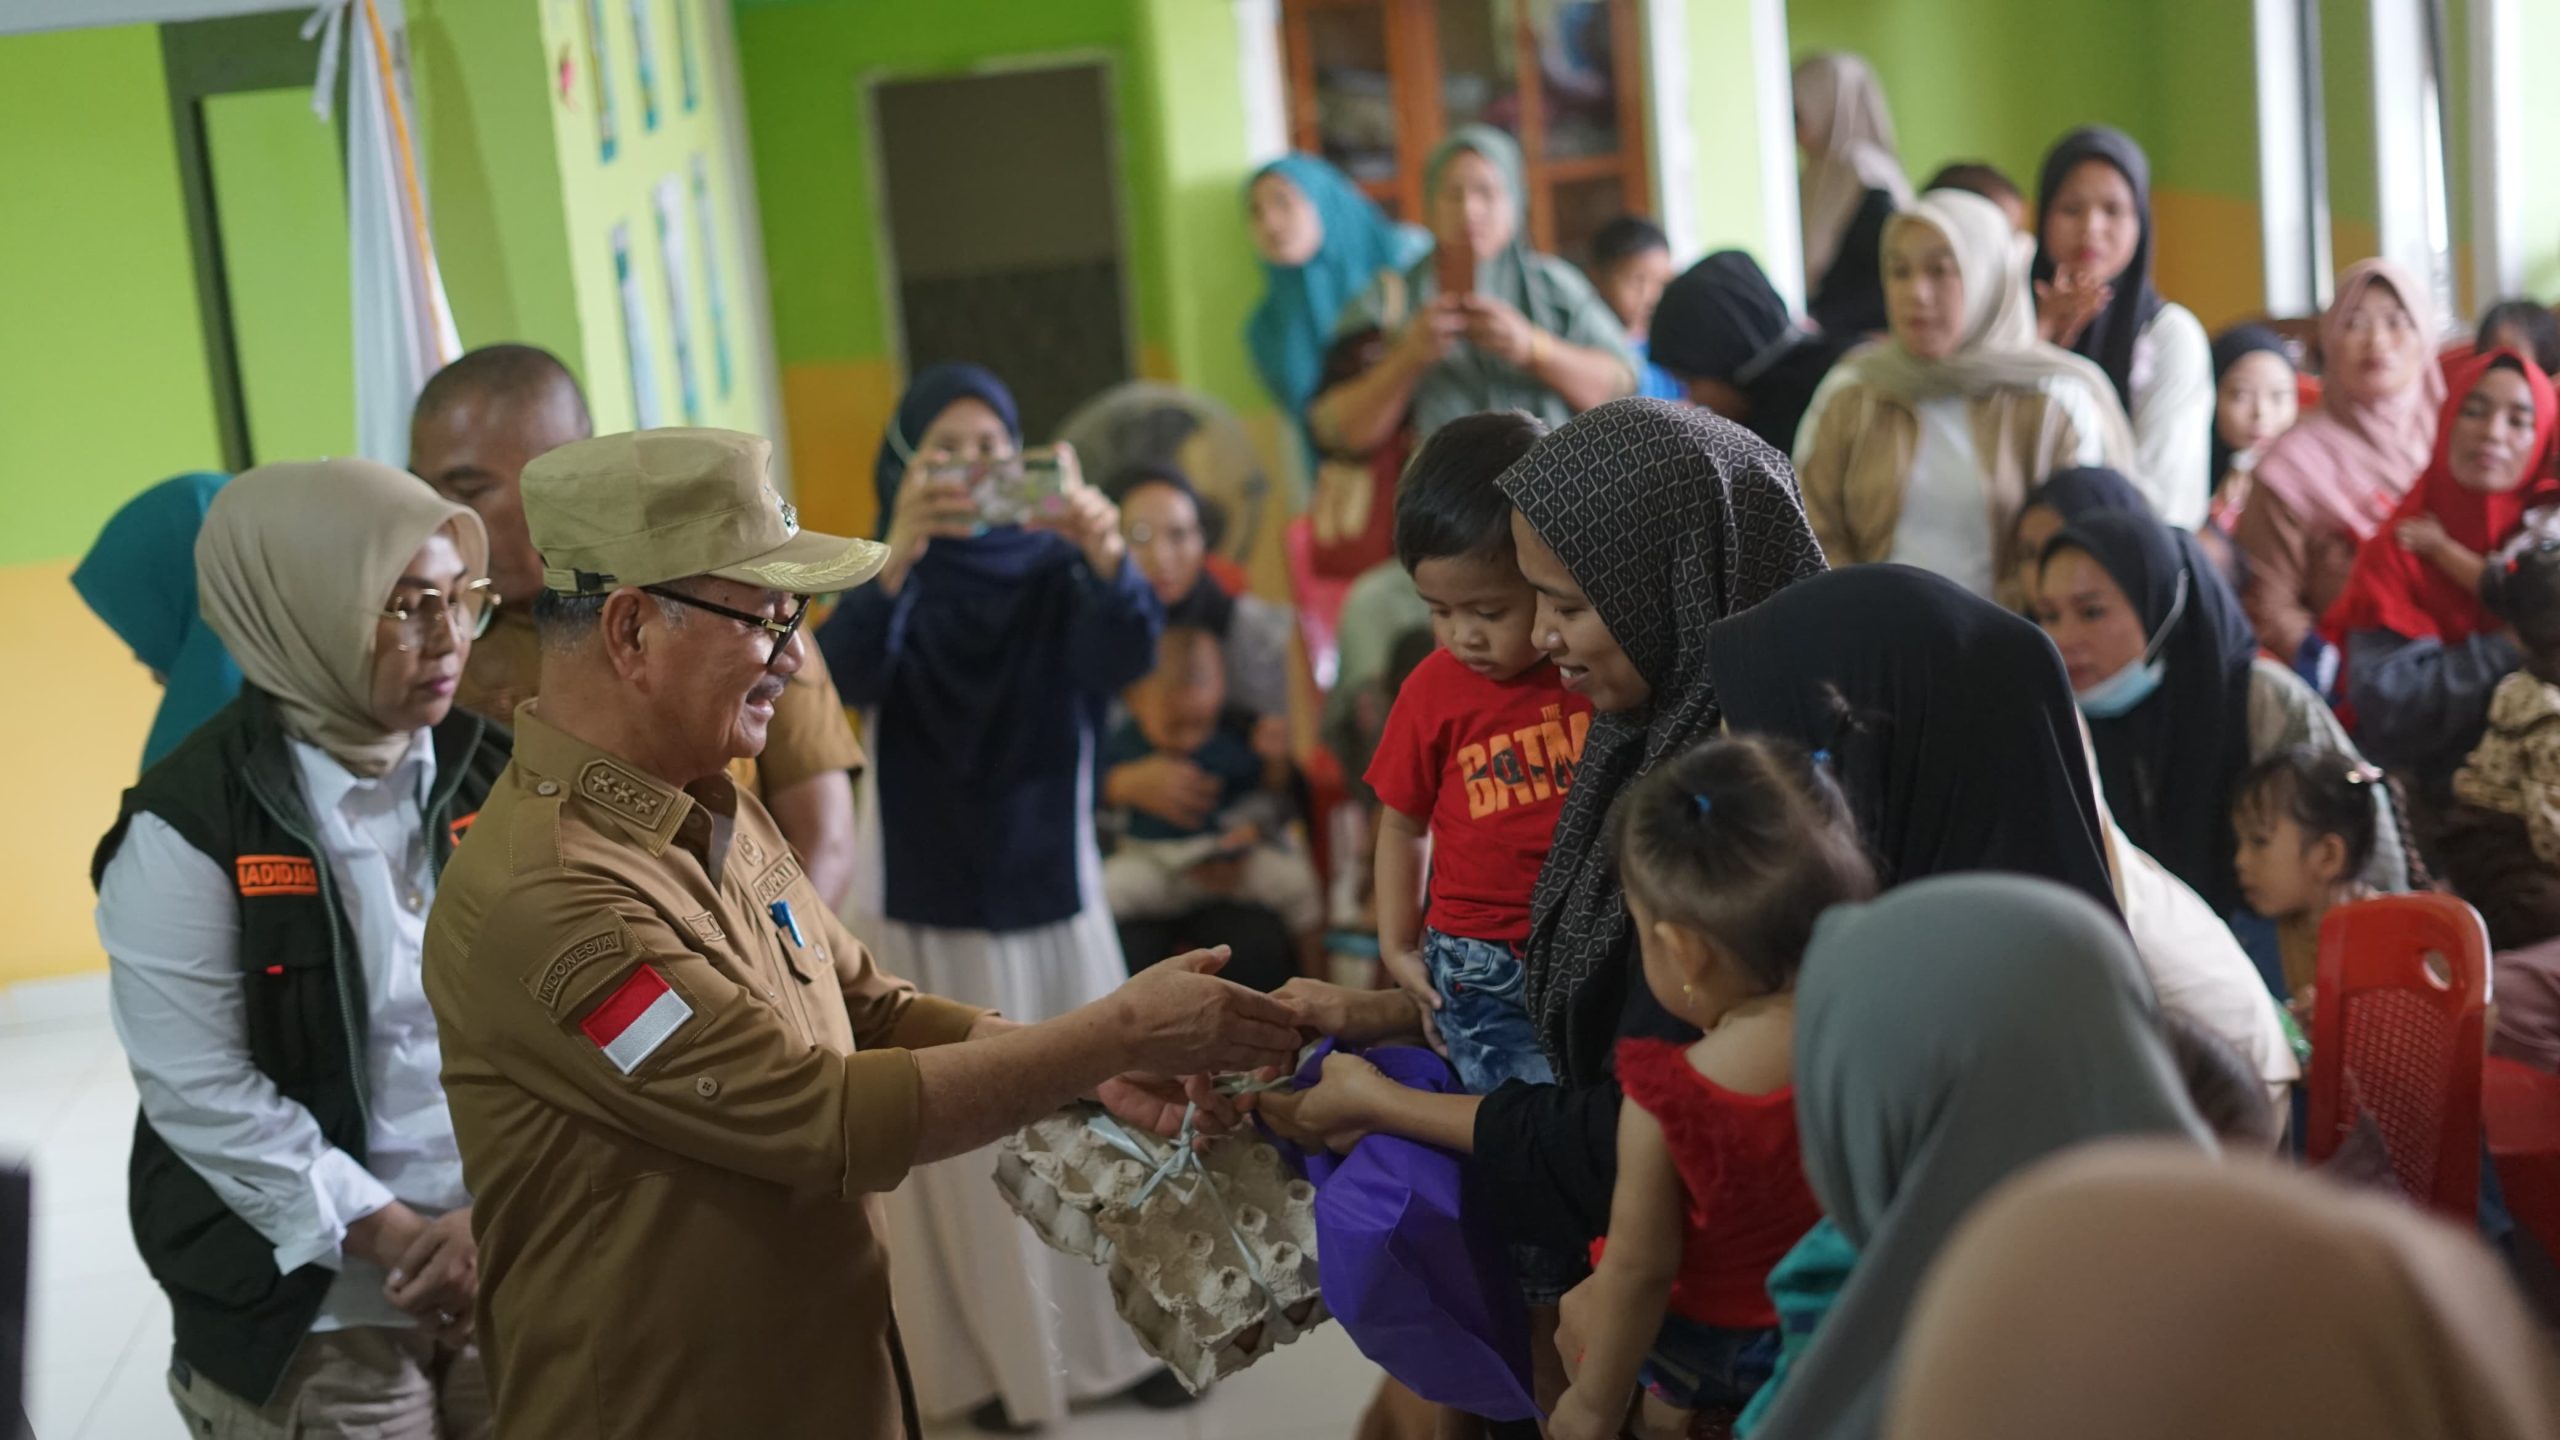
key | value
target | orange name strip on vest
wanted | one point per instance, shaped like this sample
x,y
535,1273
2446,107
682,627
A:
x,y
277,875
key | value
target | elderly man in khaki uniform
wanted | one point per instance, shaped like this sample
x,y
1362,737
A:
x,y
676,1078
477,424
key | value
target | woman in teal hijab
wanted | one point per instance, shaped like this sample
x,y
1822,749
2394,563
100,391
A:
x,y
1531,335
140,578
1949,1036
1322,243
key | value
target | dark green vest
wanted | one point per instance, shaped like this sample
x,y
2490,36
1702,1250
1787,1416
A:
x,y
232,790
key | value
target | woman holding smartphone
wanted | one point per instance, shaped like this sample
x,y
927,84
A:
x,y
983,660
1482,323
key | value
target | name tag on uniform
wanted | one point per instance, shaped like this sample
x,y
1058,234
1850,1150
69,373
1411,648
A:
x,y
636,1018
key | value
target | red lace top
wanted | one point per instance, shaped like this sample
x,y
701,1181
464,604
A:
x,y
1737,1156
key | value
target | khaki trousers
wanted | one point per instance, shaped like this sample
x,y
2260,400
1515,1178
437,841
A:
x,y
370,1383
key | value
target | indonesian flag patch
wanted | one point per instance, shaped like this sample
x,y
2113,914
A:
x,y
636,1018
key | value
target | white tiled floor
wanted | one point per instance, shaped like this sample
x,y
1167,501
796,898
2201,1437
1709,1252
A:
x,y
100,1329
98,1343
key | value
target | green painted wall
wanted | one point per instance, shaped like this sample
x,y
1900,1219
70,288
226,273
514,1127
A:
x,y
2346,71
2202,127
485,100
2001,78
103,392
1724,128
1998,80
102,374
280,201
1195,126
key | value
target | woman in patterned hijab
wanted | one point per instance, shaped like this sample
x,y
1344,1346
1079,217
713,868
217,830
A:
x,y
1661,520
1641,523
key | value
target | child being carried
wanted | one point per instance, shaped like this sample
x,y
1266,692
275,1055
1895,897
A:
x,y
1238,845
1729,853
1476,761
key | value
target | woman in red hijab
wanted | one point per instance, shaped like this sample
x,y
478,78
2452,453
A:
x,y
2422,653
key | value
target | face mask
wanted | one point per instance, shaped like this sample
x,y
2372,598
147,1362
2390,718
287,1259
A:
x,y
2121,692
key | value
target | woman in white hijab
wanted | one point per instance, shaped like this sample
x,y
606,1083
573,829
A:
x,y
1847,138
263,899
1921,448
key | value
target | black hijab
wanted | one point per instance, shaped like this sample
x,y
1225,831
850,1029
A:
x,y
2110,338
1849,303
2169,764
2086,490
1207,606
1670,519
1723,320
2236,344
1948,721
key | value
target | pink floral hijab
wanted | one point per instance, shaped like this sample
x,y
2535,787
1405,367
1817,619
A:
x,y
2349,462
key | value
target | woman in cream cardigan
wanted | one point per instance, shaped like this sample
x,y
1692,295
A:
x,y
1921,448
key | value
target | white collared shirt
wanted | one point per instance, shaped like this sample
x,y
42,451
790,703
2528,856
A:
x,y
169,919
1946,504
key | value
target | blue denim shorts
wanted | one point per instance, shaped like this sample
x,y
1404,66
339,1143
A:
x,y
1693,1366
1482,1015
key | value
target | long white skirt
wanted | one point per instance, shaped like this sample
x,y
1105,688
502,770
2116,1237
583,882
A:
x,y
985,1309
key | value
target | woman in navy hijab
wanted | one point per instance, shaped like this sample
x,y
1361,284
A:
x,y
983,660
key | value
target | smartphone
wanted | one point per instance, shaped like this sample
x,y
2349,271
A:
x,y
1454,267
1016,491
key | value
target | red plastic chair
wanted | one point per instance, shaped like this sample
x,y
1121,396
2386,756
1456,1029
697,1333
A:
x,y
2403,994
2520,1110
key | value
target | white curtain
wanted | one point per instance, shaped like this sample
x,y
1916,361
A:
x,y
403,326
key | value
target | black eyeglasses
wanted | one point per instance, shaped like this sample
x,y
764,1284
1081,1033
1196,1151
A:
x,y
780,630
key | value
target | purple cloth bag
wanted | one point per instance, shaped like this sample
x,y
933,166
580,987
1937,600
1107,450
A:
x,y
1426,1293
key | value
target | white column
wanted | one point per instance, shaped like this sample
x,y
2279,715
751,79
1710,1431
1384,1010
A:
x,y
1778,204
1262,81
2497,151
1670,143
2293,226
1672,138
2408,147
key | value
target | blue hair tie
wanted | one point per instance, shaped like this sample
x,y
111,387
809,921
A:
x,y
1822,757
1704,803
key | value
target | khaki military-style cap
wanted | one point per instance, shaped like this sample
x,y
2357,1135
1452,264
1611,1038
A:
x,y
651,506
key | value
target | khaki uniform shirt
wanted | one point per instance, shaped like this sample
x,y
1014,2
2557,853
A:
x,y
672,1112
809,734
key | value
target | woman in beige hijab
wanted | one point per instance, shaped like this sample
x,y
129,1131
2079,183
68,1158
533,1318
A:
x,y
297,564
263,902
1921,448
2134,1291
1847,138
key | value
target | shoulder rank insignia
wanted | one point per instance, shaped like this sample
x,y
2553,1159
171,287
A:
x,y
622,792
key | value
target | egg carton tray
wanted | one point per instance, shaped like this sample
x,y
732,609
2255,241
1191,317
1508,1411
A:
x,y
1215,1269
